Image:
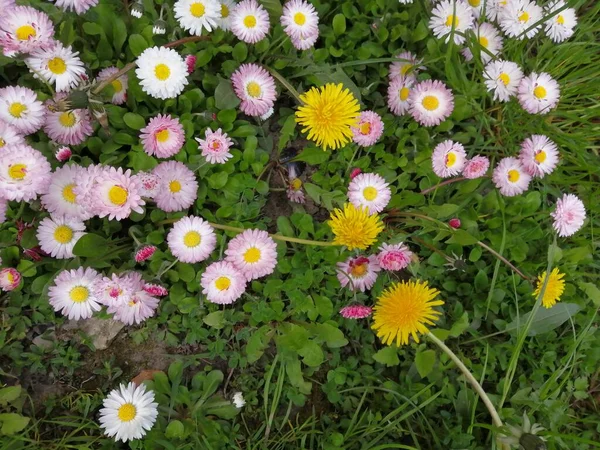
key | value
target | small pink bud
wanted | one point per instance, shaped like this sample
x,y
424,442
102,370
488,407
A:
x,y
355,172
190,60
9,279
145,252
155,289
454,223
63,154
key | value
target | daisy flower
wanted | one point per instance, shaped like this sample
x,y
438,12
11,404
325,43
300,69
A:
x,y
539,155
554,288
148,183
139,307
191,239
178,188
227,6
24,173
398,95
476,167
250,21
57,64
356,311
24,29
569,215
511,177
431,102
448,159
115,290
9,136
305,41
404,310
163,137
328,114
222,283
156,290
194,15
215,146
490,41
360,272
144,253
354,227
495,8
538,93
58,236
503,79
253,253
70,127
294,191
10,279
561,26
20,108
162,72
3,208
299,19
451,17
369,190
476,6
115,194
255,87
368,130
517,18
63,154
119,85
85,187
394,257
128,412
73,293
409,67
238,400
78,6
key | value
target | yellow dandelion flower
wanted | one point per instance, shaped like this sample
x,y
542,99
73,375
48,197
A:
x,y
404,310
354,227
328,113
554,289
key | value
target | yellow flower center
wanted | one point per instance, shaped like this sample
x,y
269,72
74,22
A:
x,y
63,234
197,9
404,93
162,135
513,175
224,11
17,171
174,186
127,412
253,89
483,41
524,17
57,66
117,195
452,21
192,239
222,283
252,255
2,142
67,119
560,20
406,68
540,92
540,156
370,193
474,3
296,184
79,294
117,86
10,277
68,193
430,103
299,18
504,78
17,109
358,270
450,159
24,32
162,72
365,128
250,21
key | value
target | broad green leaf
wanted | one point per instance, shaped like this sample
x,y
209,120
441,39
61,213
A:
x,y
90,245
287,131
312,354
546,319
339,24
12,423
9,394
175,430
274,8
175,371
462,237
137,44
313,155
215,319
225,98
134,121
387,356
424,361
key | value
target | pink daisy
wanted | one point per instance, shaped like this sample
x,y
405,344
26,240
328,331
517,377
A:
x,y
192,239
394,257
10,279
539,155
148,182
355,172
139,307
63,154
538,93
305,41
20,108
115,194
398,95
163,137
115,290
24,29
9,136
222,283
78,6
255,87
215,146
70,127
448,159
569,215
511,177
294,191
431,102
409,67
24,173
299,19
369,129
3,209
356,312
250,21
144,253
253,253
360,272
119,86
371,191
178,187
476,167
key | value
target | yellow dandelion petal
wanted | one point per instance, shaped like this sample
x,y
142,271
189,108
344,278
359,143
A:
x,y
554,289
354,227
327,114
405,309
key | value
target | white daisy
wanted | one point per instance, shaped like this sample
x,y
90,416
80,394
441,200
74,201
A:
x,y
538,93
489,41
408,66
9,135
253,253
73,293
58,236
226,7
162,72
518,17
539,155
299,19
250,21
238,400
477,6
371,191
559,27
60,198
222,283
398,95
193,15
24,29
24,173
431,102
502,78
510,177
494,8
57,64
128,412
20,108
451,18
448,159
191,239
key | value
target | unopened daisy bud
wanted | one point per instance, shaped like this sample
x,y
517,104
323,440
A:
x,y
156,290
355,172
78,99
454,223
356,312
63,154
238,400
9,279
137,10
190,60
144,253
160,27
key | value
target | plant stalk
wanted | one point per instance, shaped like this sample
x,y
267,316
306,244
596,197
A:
x,y
277,237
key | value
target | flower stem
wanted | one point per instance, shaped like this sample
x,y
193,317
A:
x,y
504,260
285,83
443,183
277,237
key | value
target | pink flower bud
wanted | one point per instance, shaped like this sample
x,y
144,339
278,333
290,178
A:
x,y
143,253
454,223
63,154
356,312
155,289
355,172
190,60
9,279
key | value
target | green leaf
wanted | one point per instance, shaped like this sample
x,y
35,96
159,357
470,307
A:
x,y
284,226
215,319
387,356
257,343
225,98
92,29
9,394
592,292
211,382
119,32
218,406
546,319
460,325
462,237
218,180
134,121
313,155
332,336
424,361
226,116
90,245
274,8
175,430
12,423
175,372
287,131
339,24
312,354
27,268
137,44
421,32
240,52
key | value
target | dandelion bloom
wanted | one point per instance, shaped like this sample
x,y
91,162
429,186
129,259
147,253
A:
x,y
356,312
195,15
502,78
358,273
191,239
253,253
215,146
119,85
405,309
448,159
222,283
9,279
539,155
368,130
163,137
144,253
24,173
538,93
561,26
371,191
394,257
24,29
178,188
431,102
250,21
476,167
451,18
554,288
354,227
73,293
255,87
510,177
20,108
328,114
57,64
398,95
57,236
569,215
162,72
518,19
